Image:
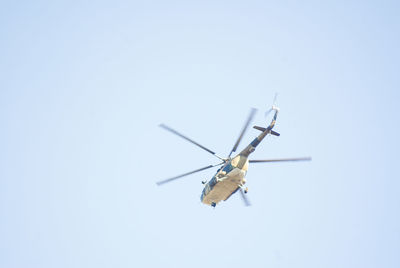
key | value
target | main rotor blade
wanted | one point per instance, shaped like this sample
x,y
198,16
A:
x,y
245,199
251,115
281,160
188,173
190,140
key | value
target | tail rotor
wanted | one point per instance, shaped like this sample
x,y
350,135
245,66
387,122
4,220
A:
x,y
273,108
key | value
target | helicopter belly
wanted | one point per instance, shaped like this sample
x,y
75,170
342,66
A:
x,y
225,187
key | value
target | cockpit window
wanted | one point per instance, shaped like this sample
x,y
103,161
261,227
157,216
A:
x,y
228,168
212,182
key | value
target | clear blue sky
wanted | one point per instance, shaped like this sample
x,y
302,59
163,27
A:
x,y
84,85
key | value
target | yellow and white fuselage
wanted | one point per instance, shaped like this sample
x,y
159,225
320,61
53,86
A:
x,y
228,179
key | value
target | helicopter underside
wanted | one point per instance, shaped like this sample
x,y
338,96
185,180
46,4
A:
x,y
219,189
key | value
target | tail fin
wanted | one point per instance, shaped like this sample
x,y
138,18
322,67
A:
x,y
275,133
272,124
264,129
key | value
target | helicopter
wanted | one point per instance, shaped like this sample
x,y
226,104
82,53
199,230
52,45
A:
x,y
230,177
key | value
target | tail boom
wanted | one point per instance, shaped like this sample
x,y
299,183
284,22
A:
x,y
265,131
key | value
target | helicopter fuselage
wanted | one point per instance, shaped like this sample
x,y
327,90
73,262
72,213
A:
x,y
228,179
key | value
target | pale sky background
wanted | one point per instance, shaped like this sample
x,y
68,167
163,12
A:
x,y
84,85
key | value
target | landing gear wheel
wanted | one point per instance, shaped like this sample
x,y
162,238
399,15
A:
x,y
213,204
246,190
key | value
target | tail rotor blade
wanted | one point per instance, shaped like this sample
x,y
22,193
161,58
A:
x,y
246,125
281,160
273,105
267,112
245,199
186,174
275,97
